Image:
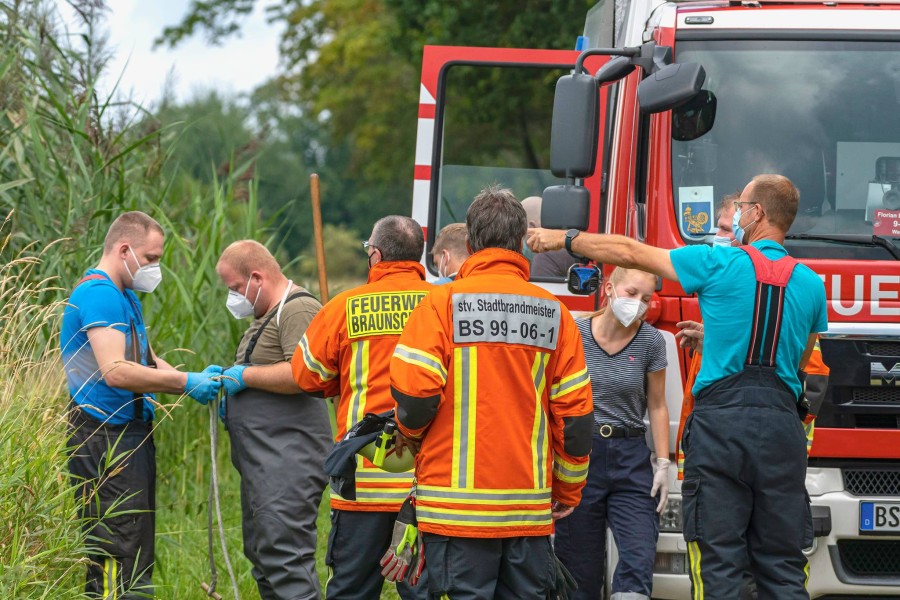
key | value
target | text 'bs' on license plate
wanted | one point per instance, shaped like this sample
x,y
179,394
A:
x,y
879,517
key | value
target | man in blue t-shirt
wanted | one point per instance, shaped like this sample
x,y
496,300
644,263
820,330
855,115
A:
x,y
744,496
112,372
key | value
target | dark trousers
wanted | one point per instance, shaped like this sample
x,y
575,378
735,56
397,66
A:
x,y
278,445
356,544
114,469
616,494
519,568
745,502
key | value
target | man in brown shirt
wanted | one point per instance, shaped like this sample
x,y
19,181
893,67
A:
x,y
279,435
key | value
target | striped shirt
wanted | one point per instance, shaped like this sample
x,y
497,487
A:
x,y
619,381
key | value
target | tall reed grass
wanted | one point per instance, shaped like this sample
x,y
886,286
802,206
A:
x,y
69,164
41,544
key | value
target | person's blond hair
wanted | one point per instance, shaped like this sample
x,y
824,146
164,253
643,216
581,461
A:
x,y
618,275
451,238
131,227
245,256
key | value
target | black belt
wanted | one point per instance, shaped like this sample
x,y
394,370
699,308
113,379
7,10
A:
x,y
608,431
78,416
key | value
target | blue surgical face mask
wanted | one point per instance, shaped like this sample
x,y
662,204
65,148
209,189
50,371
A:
x,y
526,251
441,264
736,227
721,240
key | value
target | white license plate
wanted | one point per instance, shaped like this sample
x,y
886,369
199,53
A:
x,y
879,517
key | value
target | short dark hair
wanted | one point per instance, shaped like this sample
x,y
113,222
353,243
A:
x,y
398,238
496,219
779,197
131,227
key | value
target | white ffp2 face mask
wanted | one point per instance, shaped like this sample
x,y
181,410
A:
x,y
238,304
146,278
627,310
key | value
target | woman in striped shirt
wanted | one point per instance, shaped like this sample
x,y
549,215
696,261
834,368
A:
x,y
626,359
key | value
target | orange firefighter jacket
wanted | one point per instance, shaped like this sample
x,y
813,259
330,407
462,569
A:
x,y
346,353
814,387
489,373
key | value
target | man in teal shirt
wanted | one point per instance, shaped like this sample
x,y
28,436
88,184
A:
x,y
745,504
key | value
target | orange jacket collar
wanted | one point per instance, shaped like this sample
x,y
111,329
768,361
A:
x,y
396,269
495,261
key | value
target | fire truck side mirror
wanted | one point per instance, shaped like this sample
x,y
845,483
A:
x,y
615,69
670,87
575,126
565,207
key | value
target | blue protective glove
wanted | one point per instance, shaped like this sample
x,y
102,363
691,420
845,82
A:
x,y
233,379
204,386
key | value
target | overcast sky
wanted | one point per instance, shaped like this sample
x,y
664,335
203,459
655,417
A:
x,y
237,66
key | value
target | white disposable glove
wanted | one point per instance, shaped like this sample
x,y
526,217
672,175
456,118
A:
x,y
661,483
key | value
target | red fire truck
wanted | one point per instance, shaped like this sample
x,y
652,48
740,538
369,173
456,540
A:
x,y
736,88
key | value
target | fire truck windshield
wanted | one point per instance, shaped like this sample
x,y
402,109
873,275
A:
x,y
824,113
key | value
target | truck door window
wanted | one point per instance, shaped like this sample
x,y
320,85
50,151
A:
x,y
493,126
826,114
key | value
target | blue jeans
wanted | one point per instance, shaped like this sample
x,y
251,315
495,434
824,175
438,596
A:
x,y
617,494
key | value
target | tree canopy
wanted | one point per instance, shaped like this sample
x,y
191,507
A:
x,y
350,69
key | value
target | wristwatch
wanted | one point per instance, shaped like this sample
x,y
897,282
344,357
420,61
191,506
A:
x,y
571,235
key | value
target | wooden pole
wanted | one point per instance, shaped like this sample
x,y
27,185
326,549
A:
x,y
213,595
317,235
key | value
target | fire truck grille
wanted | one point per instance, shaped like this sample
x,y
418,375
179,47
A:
x,y
883,348
878,422
872,482
870,558
876,395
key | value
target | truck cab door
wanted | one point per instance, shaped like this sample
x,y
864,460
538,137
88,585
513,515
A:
x,y
485,118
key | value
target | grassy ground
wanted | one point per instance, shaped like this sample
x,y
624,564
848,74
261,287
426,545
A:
x,y
182,562
41,546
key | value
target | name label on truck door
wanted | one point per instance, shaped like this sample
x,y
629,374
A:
x,y
506,319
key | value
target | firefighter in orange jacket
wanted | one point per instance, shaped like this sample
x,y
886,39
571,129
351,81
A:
x,y
346,352
489,375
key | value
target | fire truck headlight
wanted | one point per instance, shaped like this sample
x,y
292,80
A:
x,y
670,520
